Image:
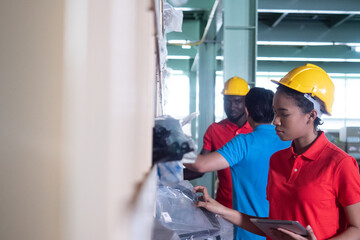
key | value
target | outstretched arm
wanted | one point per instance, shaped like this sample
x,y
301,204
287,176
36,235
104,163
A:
x,y
207,163
233,216
189,174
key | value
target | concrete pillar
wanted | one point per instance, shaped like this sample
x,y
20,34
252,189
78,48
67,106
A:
x,y
206,78
193,99
206,75
240,21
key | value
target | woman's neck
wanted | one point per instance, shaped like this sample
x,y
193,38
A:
x,y
303,143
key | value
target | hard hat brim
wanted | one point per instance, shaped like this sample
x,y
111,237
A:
x,y
275,81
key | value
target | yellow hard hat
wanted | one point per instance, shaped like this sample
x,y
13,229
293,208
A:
x,y
236,86
313,80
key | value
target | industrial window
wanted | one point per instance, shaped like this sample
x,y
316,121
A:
x,y
345,109
219,98
176,96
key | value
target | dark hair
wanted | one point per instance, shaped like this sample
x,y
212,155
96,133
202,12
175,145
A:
x,y
258,102
304,104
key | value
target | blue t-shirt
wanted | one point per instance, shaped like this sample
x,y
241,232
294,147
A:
x,y
248,156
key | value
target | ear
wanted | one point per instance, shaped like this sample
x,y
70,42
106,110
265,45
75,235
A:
x,y
246,112
313,115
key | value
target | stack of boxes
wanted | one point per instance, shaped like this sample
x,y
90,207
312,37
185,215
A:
x,y
351,137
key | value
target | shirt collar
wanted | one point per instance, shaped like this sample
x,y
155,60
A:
x,y
246,125
265,127
236,127
314,151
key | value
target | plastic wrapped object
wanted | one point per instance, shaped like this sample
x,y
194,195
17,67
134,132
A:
x,y
169,141
163,54
172,19
160,232
170,173
175,210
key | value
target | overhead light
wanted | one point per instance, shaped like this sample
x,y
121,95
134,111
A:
x,y
186,47
299,11
352,74
274,74
187,9
178,57
271,73
177,41
357,49
288,43
295,43
337,74
293,59
219,57
348,44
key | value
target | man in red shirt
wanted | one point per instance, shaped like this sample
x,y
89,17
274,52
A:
x,y
218,134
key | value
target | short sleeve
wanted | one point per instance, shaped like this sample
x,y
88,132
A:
x,y
347,182
207,141
235,150
269,182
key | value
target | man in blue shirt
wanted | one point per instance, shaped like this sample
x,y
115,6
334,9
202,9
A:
x,y
248,156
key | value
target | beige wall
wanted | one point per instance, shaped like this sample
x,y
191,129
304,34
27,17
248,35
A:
x,y
76,97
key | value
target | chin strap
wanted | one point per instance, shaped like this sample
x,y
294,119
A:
x,y
317,105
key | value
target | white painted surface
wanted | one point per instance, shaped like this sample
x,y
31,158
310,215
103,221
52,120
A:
x,y
76,97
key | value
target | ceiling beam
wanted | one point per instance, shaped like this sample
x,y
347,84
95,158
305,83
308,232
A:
x,y
304,11
282,16
341,21
309,32
333,5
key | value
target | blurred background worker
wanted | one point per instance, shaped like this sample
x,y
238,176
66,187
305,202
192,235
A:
x,y
218,134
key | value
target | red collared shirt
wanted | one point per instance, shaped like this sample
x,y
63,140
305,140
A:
x,y
314,187
216,136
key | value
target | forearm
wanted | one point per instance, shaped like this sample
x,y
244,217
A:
x,y
199,165
351,232
210,162
240,219
190,175
353,228
237,218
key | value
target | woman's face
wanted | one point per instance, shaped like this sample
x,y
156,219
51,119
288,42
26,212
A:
x,y
290,122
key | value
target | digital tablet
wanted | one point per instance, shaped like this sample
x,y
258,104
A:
x,y
266,225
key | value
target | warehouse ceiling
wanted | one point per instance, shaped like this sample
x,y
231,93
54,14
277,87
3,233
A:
x,y
289,32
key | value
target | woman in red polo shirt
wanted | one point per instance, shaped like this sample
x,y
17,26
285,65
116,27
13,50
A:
x,y
313,181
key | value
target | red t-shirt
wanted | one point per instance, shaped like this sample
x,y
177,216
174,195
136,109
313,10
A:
x,y
314,187
216,136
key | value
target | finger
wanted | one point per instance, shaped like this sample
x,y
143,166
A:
x,y
199,188
290,235
311,233
204,191
200,204
277,234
